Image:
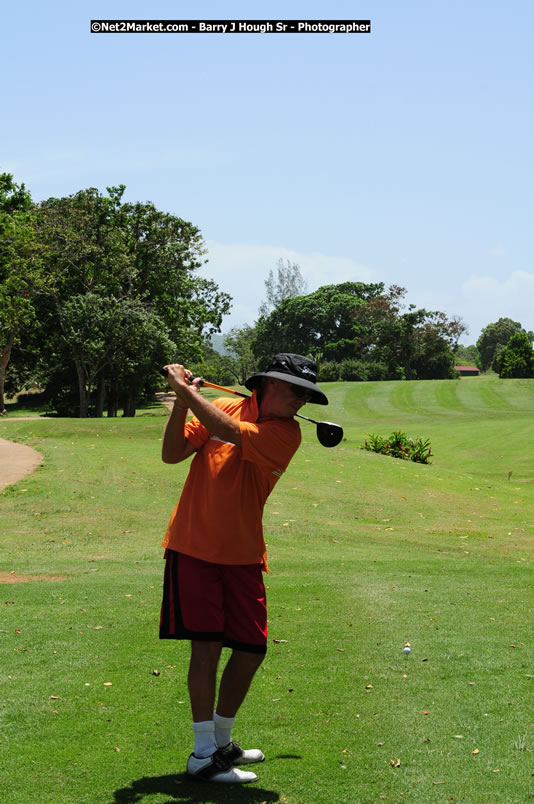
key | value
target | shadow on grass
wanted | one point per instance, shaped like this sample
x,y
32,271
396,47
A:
x,y
180,788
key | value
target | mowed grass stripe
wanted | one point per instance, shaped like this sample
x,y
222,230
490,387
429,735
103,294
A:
x,y
447,394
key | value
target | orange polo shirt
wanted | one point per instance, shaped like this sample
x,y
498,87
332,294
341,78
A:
x,y
218,517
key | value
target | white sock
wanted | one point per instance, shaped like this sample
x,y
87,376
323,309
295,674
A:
x,y
204,732
223,729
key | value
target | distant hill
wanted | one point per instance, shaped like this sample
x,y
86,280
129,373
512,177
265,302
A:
x,y
217,341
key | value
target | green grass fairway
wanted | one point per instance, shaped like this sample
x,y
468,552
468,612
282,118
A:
x,y
366,553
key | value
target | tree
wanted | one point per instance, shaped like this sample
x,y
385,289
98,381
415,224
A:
x,y
322,324
122,295
239,343
214,366
517,357
287,284
494,337
467,355
361,325
20,270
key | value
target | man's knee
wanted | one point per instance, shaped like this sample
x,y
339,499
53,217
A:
x,y
247,659
205,655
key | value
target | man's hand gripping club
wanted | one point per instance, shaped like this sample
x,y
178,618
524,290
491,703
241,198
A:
x,y
175,446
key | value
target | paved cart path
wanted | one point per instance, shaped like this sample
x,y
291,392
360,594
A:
x,y
16,461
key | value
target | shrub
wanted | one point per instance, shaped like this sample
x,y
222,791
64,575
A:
x,y
329,371
399,445
377,371
353,370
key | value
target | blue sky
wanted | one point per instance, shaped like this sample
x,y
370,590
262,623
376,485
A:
x,y
404,156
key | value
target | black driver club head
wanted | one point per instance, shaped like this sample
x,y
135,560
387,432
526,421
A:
x,y
329,434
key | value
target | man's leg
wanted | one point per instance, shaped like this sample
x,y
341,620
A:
x,y
233,688
206,761
202,678
236,680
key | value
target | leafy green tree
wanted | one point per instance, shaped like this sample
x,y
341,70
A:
x,y
493,338
517,357
354,324
121,274
433,358
286,284
467,356
322,324
214,366
21,273
239,343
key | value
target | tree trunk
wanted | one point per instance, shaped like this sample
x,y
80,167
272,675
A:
x,y
4,360
82,390
129,405
113,399
100,397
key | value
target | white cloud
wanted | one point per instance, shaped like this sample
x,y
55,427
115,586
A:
x,y
485,300
241,269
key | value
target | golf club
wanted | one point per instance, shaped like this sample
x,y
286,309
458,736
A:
x,y
328,433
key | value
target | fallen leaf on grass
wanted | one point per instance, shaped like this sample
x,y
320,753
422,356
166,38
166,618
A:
x,y
425,712
476,751
156,673
395,763
278,641
108,683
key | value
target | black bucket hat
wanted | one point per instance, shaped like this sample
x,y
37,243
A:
x,y
295,369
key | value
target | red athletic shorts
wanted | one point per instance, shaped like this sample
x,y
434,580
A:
x,y
214,603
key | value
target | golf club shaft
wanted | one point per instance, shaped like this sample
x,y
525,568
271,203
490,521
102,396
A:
x,y
222,388
238,393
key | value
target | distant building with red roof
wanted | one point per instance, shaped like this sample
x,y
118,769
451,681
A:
x,y
467,371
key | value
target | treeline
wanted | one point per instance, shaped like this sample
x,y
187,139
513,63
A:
x,y
359,331
95,295
355,331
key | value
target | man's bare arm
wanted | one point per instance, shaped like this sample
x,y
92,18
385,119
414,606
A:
x,y
175,446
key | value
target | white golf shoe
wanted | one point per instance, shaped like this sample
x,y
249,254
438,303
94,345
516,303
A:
x,y
241,756
217,768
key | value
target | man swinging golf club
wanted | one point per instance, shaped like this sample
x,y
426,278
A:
x,y
213,593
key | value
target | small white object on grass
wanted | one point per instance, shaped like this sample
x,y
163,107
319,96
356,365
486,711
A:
x,y
407,650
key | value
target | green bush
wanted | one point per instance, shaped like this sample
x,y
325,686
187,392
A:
x,y
329,371
377,371
399,445
353,370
